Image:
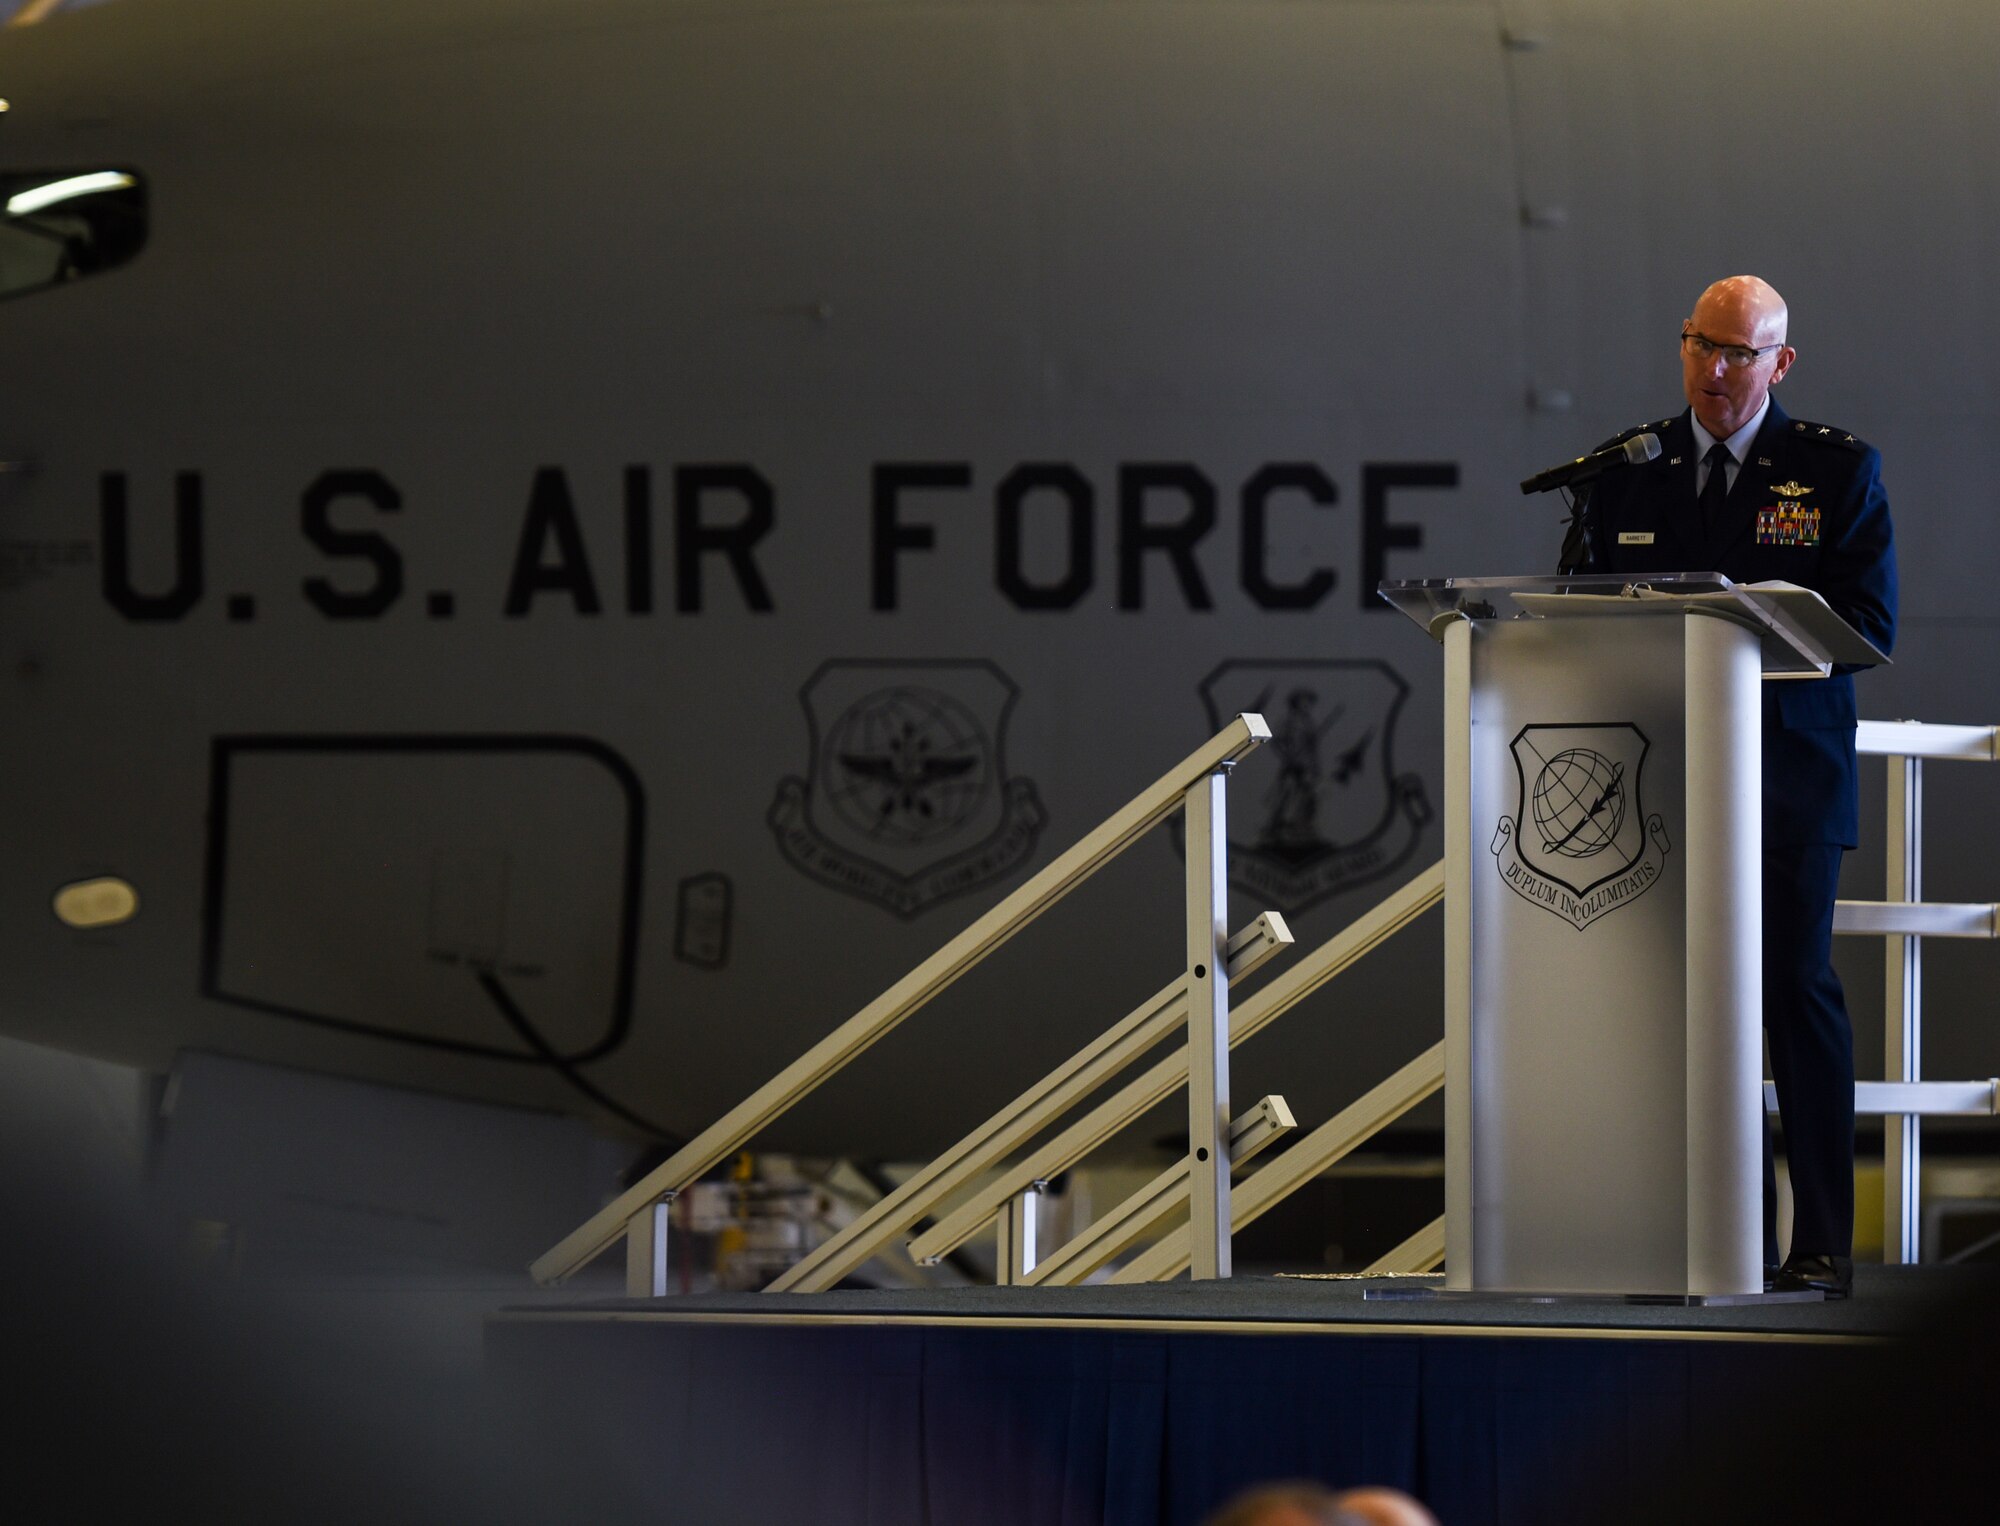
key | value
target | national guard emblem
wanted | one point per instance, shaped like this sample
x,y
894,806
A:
x,y
907,801
1579,844
1320,808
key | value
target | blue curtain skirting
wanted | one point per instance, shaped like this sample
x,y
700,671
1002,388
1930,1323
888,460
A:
x,y
955,1425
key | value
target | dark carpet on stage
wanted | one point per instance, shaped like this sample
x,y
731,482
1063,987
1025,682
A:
x,y
1887,1300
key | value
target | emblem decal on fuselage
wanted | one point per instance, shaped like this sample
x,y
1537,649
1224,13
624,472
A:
x,y
1320,808
906,801
1579,843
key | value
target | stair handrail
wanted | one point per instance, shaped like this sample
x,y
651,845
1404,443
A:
x,y
729,1133
1903,918
1305,975
896,1212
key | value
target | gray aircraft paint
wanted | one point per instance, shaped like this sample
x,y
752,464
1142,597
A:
x,y
514,272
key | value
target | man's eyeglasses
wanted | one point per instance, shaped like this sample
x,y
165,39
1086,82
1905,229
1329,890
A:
x,y
1734,356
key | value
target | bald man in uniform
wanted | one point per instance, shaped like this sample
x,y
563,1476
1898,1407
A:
x,y
1742,489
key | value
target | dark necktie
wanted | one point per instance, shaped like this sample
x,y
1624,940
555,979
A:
x,y
1715,492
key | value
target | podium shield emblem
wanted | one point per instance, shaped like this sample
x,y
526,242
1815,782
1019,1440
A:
x,y
1580,843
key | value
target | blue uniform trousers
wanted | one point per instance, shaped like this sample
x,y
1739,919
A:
x,y
1812,1051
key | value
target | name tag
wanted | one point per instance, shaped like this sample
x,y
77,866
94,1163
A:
x,y
1635,537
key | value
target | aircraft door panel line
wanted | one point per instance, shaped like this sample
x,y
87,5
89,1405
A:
x,y
220,982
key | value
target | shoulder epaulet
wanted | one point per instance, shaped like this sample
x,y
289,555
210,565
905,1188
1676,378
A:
x,y
1827,434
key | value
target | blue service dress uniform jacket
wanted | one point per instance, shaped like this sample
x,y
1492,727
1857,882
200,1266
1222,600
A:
x,y
1807,507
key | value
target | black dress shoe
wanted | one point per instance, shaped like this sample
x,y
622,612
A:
x,y
1831,1275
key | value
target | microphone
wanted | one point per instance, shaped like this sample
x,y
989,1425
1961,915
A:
x,y
1636,451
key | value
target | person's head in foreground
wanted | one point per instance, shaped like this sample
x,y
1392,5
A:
x,y
1309,1504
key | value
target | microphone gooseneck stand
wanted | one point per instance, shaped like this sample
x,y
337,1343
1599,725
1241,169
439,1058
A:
x,y
1576,538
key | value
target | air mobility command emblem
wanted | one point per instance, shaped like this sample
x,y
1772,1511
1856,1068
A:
x,y
1579,843
907,801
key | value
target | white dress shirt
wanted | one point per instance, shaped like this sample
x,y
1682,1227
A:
x,y
1738,444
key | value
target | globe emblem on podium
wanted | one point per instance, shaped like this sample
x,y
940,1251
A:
x,y
910,765
1579,803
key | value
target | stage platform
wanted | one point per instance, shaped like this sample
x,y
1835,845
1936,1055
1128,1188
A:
x,y
1147,1406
